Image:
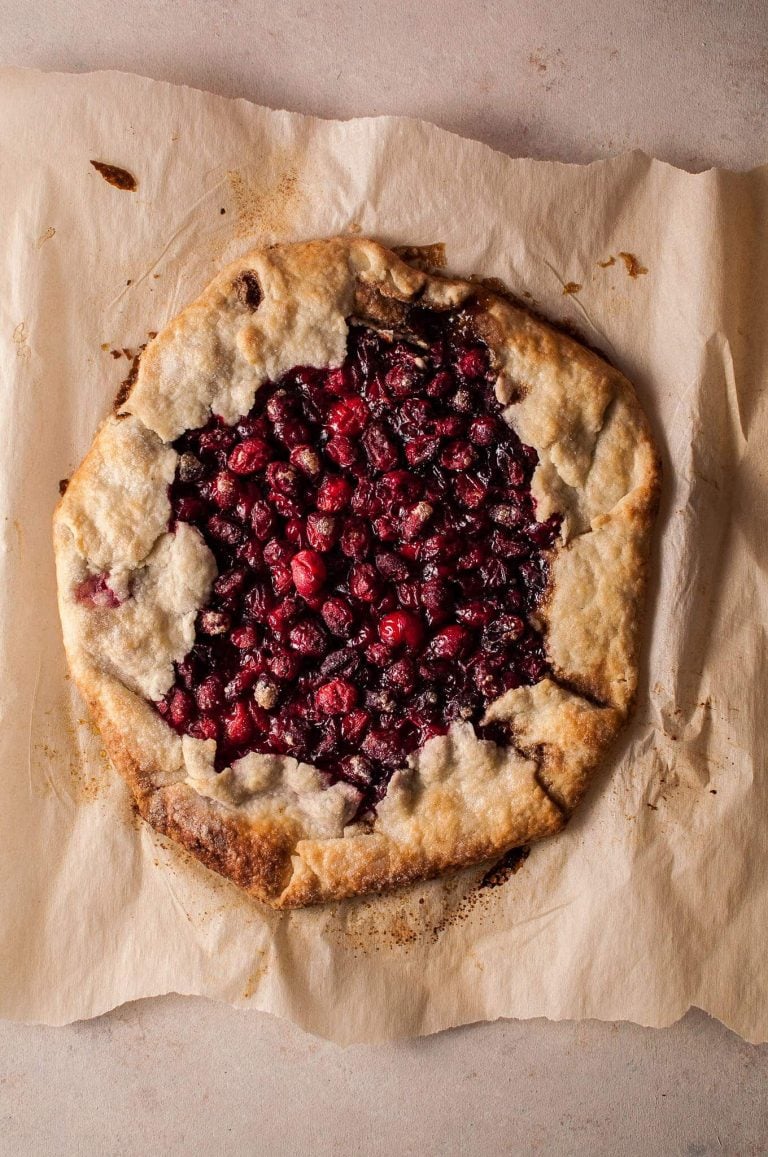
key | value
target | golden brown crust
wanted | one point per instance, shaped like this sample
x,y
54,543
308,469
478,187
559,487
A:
x,y
268,823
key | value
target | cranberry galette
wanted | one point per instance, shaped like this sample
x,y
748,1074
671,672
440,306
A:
x,y
352,578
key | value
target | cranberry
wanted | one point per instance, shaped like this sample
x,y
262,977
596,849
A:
x,y
238,727
224,530
441,384
403,380
457,455
305,459
341,450
333,494
336,697
485,430
366,500
421,449
470,491
353,725
281,406
262,519
322,531
472,363
391,565
380,448
450,643
282,578
400,676
476,613
205,727
292,433
225,490
284,665
349,416
415,518
249,456
356,538
338,616
309,638
95,591
450,427
244,638
229,584
401,629
189,509
309,572
364,582
209,694
386,528
181,707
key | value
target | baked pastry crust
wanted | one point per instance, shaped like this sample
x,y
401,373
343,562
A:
x,y
269,823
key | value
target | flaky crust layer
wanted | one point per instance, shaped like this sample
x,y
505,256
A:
x,y
269,823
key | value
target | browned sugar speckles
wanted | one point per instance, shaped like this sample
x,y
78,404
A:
x,y
634,268
269,209
571,287
63,484
608,263
46,236
115,176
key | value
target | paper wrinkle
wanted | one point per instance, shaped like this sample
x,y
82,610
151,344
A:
x,y
653,898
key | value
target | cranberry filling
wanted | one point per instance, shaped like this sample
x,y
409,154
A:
x,y
378,558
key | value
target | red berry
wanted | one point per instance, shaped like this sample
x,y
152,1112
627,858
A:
x,y
472,363
338,616
238,727
458,455
249,456
401,629
262,519
333,494
336,697
181,708
342,451
225,490
349,417
306,459
309,638
309,573
450,643
322,530
364,582
244,638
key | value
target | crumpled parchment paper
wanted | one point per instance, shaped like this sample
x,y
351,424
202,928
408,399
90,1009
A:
x,y
654,898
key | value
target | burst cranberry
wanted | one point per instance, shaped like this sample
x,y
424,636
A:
x,y
306,459
356,538
95,591
450,427
403,380
354,725
309,572
457,455
365,500
238,727
336,697
450,643
262,519
338,616
339,381
282,478
472,363
284,665
181,708
400,676
282,578
189,509
249,456
441,384
309,638
281,406
283,614
392,566
470,491
476,613
224,530
225,490
380,448
364,582
229,584
342,451
205,727
386,528
219,438
210,694
349,417
244,638
401,629
322,531
421,449
415,518
333,494
292,433
484,430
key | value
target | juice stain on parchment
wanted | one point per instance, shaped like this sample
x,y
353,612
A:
x,y
421,914
265,209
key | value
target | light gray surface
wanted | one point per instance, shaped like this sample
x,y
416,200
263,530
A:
x,y
687,82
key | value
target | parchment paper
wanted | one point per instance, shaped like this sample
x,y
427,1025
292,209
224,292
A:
x,y
655,897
